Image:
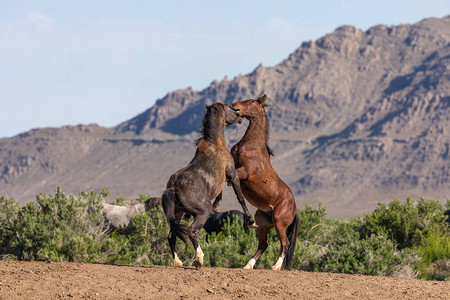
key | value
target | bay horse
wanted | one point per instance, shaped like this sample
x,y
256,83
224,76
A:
x,y
261,185
191,189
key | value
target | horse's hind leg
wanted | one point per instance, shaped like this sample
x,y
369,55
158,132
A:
x,y
282,219
172,243
199,221
264,222
281,232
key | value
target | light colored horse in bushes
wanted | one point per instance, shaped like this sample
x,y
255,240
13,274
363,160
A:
x,y
122,216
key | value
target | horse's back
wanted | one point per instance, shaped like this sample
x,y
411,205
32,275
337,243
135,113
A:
x,y
117,216
235,215
196,178
217,220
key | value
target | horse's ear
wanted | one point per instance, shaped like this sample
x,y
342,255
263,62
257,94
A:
x,y
262,99
206,105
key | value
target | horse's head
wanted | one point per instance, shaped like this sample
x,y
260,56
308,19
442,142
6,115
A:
x,y
230,116
249,108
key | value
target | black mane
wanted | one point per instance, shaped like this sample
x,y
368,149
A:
x,y
210,130
267,130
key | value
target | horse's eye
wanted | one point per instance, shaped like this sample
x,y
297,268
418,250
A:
x,y
252,101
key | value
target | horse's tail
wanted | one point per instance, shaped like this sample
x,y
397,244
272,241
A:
x,y
151,203
292,232
168,204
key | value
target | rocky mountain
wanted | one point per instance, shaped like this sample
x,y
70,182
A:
x,y
357,118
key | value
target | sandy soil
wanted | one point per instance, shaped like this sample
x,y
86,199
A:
x,y
42,280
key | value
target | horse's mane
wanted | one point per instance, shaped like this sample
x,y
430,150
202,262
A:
x,y
211,129
267,130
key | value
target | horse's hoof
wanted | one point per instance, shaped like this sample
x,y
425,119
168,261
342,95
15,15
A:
x,y
197,264
253,225
177,263
248,267
276,268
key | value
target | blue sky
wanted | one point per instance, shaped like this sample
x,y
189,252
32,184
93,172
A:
x,y
71,62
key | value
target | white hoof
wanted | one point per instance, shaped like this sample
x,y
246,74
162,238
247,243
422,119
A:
x,y
251,263
177,263
279,263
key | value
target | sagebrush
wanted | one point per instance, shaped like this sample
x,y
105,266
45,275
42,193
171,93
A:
x,y
403,237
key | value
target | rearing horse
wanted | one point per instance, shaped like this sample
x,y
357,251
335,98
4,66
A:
x,y
191,189
261,185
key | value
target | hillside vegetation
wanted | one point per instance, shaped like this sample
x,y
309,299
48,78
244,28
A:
x,y
403,239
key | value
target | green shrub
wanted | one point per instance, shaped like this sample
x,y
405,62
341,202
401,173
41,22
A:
x,y
438,270
435,246
144,242
59,228
312,222
435,253
8,214
337,246
119,201
230,248
408,237
347,253
405,223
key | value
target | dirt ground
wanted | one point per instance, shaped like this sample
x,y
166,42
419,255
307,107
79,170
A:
x,y
42,280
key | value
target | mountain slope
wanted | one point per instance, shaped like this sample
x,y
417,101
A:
x,y
357,117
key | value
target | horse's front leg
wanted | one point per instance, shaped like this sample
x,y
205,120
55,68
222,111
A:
x,y
234,181
216,204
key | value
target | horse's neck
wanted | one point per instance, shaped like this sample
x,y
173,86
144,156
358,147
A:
x,y
256,131
203,145
217,135
221,140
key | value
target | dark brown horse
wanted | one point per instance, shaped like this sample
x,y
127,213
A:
x,y
191,189
261,185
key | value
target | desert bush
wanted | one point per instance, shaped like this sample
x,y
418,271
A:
x,y
59,228
348,253
435,253
404,239
435,246
406,223
235,245
438,270
144,242
312,222
340,249
8,214
230,248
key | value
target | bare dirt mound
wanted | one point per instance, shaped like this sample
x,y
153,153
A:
x,y
41,280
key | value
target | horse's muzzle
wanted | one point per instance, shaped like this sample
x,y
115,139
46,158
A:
x,y
237,110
